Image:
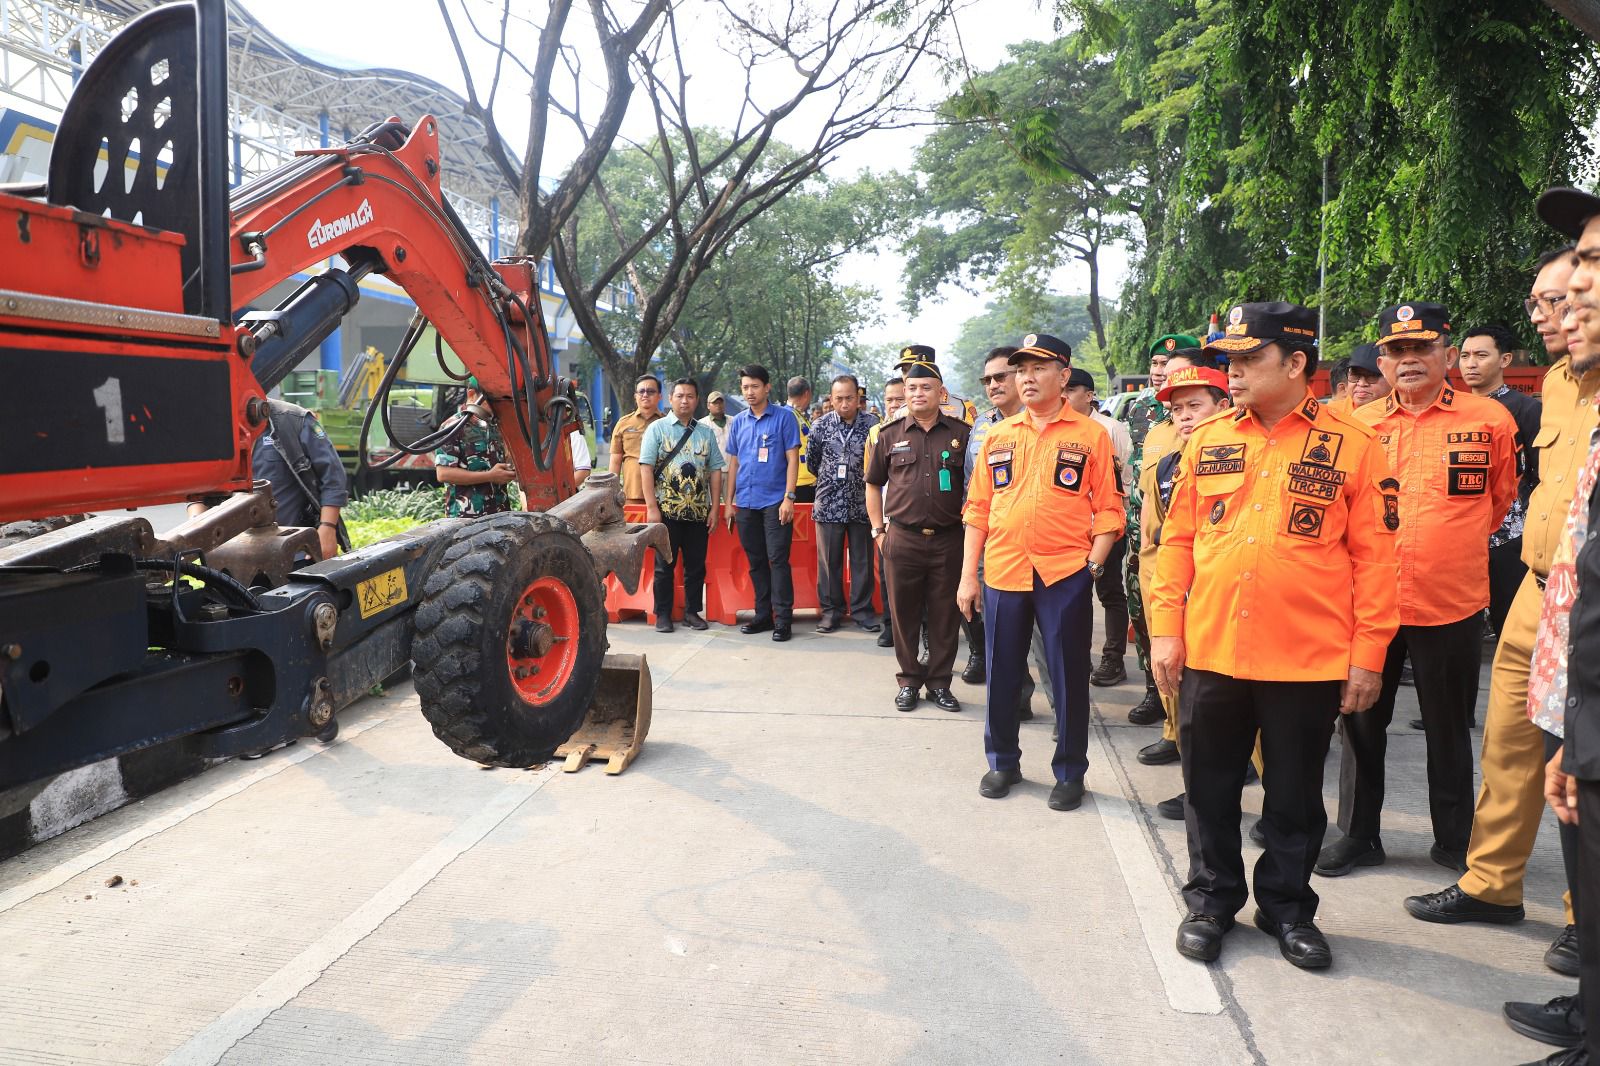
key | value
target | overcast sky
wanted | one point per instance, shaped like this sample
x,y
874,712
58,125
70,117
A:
x,y
409,35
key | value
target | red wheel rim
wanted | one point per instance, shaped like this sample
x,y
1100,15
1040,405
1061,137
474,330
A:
x,y
542,641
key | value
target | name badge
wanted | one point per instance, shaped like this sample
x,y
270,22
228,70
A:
x,y
761,454
841,474
996,458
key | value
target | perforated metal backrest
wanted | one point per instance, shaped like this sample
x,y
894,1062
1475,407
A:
x,y
128,146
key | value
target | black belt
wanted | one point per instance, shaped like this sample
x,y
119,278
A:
x,y
926,531
1537,580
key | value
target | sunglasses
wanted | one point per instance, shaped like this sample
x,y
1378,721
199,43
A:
x,y
987,379
647,392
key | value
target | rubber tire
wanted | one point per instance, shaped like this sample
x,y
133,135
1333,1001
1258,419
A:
x,y
458,653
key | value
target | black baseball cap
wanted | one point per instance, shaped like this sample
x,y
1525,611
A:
x,y
1043,346
1077,377
1251,327
1568,210
1413,321
915,353
1365,357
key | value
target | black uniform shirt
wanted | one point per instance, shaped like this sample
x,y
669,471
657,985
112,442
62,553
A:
x,y
921,471
1581,751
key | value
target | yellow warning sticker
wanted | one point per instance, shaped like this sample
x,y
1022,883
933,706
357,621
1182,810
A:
x,y
380,593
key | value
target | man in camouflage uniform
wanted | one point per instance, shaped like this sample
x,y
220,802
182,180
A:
x,y
1142,415
473,466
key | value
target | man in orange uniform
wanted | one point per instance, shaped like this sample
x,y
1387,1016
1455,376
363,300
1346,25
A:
x,y
1454,456
1043,510
1274,604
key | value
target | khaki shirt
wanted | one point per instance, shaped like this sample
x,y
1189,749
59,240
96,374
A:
x,y
626,441
1560,450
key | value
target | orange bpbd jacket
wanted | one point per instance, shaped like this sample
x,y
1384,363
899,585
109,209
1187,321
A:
x,y
1277,558
1457,465
1042,497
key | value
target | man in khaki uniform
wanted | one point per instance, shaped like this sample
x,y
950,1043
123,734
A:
x,y
628,436
1511,797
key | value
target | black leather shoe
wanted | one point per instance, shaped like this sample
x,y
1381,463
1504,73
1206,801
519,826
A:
x,y
996,783
1160,753
759,625
974,672
781,633
886,638
1406,677
1346,853
1172,809
1450,860
1149,711
944,699
1562,955
693,620
1302,943
1109,672
905,699
1572,1056
1066,796
827,625
1416,723
869,627
663,624
1258,836
1200,936
1451,906
1558,1022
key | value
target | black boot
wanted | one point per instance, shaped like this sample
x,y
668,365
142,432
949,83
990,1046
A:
x,y
974,674
1149,711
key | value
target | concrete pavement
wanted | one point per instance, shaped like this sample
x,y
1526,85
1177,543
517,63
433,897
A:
x,y
792,872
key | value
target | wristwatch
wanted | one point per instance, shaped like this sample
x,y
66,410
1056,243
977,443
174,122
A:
x,y
1096,570
878,531
789,496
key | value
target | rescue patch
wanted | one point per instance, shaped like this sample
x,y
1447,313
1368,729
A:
x,y
1464,481
1474,437
1069,470
1218,509
1322,448
1470,457
1305,519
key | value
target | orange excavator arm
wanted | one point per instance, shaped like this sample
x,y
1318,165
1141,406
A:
x,y
377,203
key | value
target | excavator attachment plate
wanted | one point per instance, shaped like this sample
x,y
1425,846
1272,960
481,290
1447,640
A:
x,y
618,720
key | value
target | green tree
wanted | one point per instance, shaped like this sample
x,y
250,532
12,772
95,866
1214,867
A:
x,y
1004,323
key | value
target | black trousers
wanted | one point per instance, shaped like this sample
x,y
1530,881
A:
x,y
1588,829
1569,837
1506,570
1112,593
923,575
1218,717
833,539
1444,664
766,544
688,541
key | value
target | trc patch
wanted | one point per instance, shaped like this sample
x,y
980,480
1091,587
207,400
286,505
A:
x,y
1302,486
1305,519
1465,481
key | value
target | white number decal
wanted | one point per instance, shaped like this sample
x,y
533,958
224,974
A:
x,y
108,397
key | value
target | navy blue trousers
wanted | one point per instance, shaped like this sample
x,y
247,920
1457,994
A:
x,y
1064,613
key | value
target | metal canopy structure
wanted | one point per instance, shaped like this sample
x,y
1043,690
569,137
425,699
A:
x,y
281,100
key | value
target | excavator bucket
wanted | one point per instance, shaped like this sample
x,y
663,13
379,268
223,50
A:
x,y
618,720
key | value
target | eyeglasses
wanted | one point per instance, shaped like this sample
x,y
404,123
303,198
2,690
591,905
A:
x,y
646,392
987,379
1554,306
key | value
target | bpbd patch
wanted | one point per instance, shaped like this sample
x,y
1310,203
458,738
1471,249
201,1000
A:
x,y
1069,470
1305,519
1322,448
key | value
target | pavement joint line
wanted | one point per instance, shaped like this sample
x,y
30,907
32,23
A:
x,y
211,1044
88,860
1189,986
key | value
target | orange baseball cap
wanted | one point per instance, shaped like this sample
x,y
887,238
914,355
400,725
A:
x,y
1188,376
